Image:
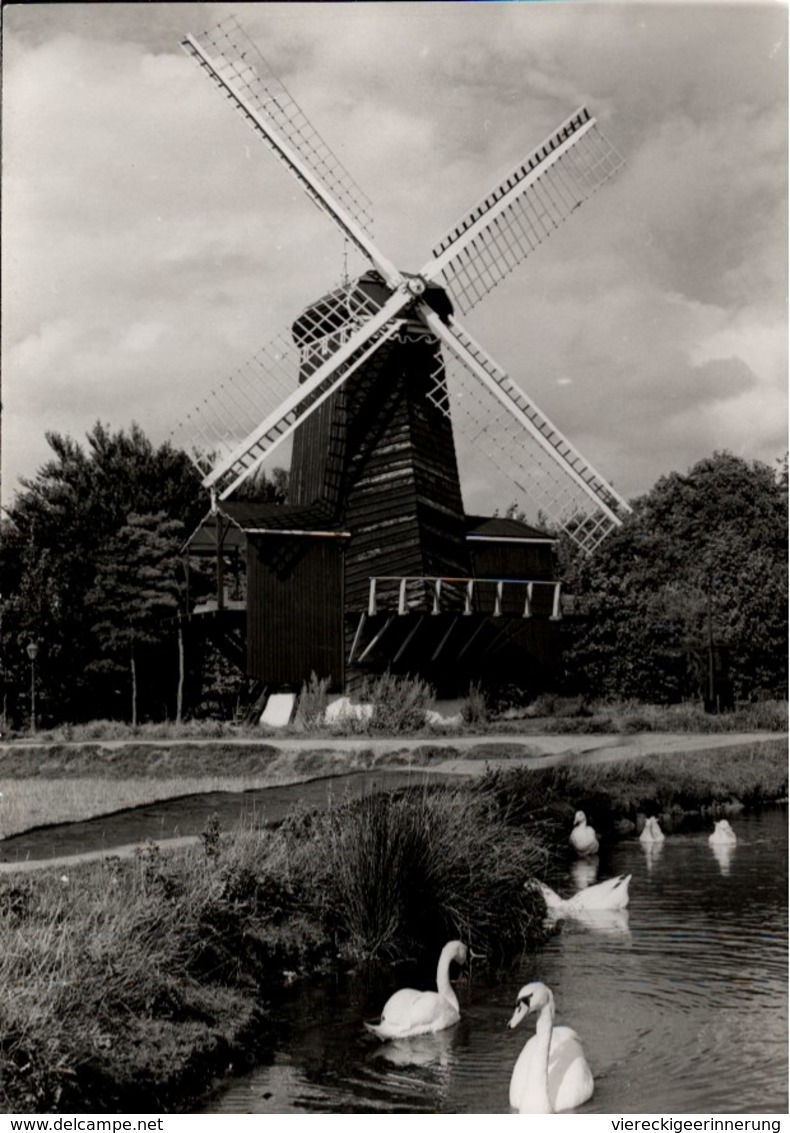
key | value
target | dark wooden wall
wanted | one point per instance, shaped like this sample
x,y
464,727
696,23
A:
x,y
513,560
294,609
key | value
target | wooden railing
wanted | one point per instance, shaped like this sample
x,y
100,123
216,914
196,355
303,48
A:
x,y
410,593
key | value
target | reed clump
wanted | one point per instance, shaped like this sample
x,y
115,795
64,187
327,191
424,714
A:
x,y
409,870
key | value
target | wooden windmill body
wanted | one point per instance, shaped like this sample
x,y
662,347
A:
x,y
373,563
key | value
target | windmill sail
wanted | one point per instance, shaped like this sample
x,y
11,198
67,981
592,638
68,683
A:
x,y
535,199
243,77
229,56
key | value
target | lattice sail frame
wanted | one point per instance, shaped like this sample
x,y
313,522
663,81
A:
x,y
239,62
268,400
526,207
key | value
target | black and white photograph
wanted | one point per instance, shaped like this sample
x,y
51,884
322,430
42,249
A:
x,y
393,560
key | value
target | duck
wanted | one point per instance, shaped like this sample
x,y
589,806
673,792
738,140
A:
x,y
611,894
551,1074
652,832
723,834
583,838
408,1012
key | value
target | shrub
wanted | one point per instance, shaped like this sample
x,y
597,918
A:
x,y
399,703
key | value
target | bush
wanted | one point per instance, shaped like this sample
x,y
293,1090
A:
x,y
399,703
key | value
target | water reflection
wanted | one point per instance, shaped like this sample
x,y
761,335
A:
x,y
652,852
424,1050
604,922
723,852
584,872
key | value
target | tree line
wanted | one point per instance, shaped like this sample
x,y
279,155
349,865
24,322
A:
x,y
692,587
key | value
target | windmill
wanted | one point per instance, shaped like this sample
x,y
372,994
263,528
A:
x,y
373,560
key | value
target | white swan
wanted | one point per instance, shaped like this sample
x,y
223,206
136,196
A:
x,y
583,838
723,834
551,1073
409,1012
651,831
611,894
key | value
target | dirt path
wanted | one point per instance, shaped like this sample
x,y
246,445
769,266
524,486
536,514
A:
x,y
536,746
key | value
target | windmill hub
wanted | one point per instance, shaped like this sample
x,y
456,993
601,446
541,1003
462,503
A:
x,y
415,285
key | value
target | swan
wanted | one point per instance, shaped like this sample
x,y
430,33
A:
x,y
723,834
611,894
583,838
551,1073
651,831
409,1012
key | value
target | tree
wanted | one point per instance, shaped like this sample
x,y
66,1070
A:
x,y
57,531
136,595
698,570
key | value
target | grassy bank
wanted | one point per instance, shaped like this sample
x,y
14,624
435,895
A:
x,y
617,797
127,985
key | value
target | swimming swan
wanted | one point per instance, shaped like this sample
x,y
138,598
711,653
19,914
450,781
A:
x,y
583,838
723,834
611,894
652,832
409,1012
551,1073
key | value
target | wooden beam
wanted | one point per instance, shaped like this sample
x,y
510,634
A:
x,y
409,637
377,638
360,624
443,642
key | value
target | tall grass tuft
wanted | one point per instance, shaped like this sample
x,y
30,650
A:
x,y
410,870
311,705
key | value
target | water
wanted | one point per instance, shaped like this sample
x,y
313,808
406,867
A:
x,y
681,1003
187,815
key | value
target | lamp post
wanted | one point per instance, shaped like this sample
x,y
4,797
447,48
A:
x,y
32,652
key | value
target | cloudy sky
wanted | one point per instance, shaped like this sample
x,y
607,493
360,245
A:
x,y
151,244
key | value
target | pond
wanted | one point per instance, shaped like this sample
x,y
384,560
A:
x,y
681,1002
